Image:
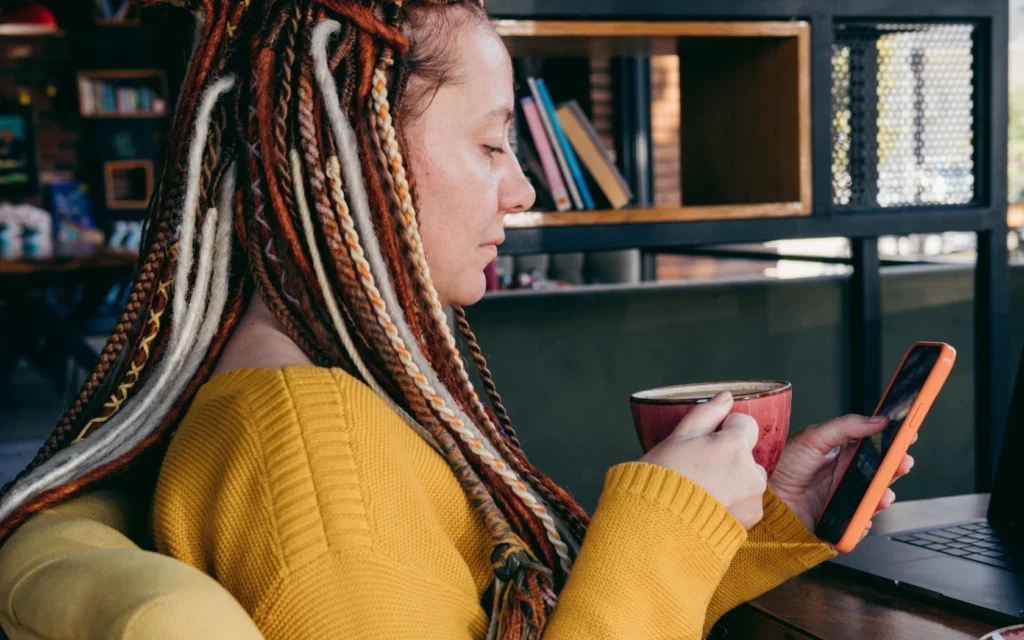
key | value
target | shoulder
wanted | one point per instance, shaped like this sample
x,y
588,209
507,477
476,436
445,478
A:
x,y
262,478
292,446
274,471
265,401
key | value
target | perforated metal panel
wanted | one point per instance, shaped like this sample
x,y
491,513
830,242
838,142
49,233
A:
x,y
903,115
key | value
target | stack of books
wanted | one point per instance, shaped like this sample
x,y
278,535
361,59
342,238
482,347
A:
x,y
563,156
105,98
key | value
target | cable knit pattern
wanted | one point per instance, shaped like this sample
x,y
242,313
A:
x,y
323,513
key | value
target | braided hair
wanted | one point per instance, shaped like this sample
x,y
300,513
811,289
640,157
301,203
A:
x,y
286,179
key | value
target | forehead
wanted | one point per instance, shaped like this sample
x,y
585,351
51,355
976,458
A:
x,y
483,60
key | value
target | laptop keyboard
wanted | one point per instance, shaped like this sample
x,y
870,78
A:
x,y
974,541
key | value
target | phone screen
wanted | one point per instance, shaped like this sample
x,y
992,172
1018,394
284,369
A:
x,y
896,405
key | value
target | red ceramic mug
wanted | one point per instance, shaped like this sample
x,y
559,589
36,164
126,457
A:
x,y
656,412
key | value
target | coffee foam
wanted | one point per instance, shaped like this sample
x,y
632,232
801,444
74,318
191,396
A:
x,y
707,390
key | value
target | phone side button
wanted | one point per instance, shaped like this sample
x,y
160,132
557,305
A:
x,y
912,419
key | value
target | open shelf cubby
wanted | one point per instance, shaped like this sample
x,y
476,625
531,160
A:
x,y
745,112
129,183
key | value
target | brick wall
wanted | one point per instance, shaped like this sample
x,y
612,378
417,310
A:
x,y
665,130
664,121
39,68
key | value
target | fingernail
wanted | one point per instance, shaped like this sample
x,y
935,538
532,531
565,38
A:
x,y
722,397
878,419
910,462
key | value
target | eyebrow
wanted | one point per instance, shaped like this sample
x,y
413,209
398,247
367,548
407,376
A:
x,y
505,113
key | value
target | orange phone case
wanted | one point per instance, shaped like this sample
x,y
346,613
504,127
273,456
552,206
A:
x,y
898,449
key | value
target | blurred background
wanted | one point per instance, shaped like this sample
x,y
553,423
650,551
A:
x,y
694,221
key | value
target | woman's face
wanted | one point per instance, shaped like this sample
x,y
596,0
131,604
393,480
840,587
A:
x,y
466,175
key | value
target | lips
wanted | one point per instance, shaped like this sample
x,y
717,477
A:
x,y
490,249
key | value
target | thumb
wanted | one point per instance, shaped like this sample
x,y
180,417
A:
x,y
839,431
704,418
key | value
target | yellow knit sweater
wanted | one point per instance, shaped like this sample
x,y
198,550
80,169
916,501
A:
x,y
326,516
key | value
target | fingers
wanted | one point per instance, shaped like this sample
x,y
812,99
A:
x,y
867,530
905,466
743,427
839,431
739,436
704,418
749,513
887,499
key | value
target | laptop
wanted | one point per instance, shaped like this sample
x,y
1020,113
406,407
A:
x,y
976,565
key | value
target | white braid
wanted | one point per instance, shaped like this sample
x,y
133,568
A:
x,y
211,316
332,304
411,357
380,115
124,430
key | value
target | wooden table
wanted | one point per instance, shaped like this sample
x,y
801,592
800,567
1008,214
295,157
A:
x,y
103,262
828,604
47,334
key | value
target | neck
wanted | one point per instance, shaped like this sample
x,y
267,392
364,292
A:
x,y
259,341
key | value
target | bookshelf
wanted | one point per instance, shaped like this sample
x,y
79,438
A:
x,y
866,119
146,89
538,219
745,123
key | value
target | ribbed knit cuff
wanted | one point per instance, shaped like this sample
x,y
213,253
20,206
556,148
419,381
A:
x,y
687,500
786,528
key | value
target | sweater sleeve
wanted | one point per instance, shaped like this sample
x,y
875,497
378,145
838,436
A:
x,y
654,555
778,548
663,558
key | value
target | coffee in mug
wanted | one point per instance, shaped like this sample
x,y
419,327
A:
x,y
657,412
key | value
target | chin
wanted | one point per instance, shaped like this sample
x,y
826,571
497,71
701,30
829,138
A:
x,y
470,291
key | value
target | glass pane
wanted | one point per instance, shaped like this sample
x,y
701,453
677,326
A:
x,y
1016,87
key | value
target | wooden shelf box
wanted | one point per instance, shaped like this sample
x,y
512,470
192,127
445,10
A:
x,y
745,111
128,183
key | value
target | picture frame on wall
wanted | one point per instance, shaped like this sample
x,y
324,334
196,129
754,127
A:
x,y
19,166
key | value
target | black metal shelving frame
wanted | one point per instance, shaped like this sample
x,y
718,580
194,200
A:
x,y
986,215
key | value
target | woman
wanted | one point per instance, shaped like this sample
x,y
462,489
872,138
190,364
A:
x,y
331,464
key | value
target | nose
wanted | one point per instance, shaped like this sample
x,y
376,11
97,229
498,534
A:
x,y
517,194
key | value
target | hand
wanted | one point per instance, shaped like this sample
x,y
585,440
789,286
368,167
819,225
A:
x,y
813,460
721,462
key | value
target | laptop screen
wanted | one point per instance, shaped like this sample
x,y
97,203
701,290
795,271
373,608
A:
x,y
1007,504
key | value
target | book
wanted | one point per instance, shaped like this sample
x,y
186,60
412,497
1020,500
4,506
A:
x,y
109,98
146,99
547,157
592,153
529,161
124,100
74,224
570,158
87,99
553,144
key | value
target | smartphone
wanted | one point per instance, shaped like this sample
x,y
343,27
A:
x,y
870,471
